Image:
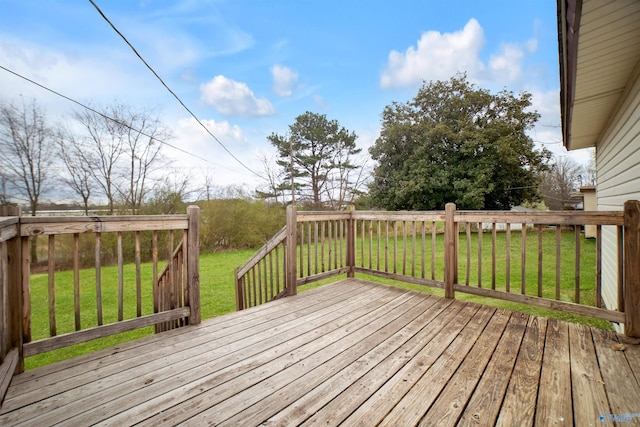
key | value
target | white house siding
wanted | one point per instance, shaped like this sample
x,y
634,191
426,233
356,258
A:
x,y
618,175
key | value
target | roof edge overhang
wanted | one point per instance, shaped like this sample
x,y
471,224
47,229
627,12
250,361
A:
x,y
569,14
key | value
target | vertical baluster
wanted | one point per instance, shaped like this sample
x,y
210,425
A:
x,y
315,246
422,244
434,237
301,254
370,244
598,295
493,255
523,246
277,290
121,276
98,262
76,281
413,249
480,233
395,247
51,261
362,240
138,275
378,253
404,248
468,236
259,281
620,233
558,259
540,260
508,258
577,264
322,244
154,260
308,248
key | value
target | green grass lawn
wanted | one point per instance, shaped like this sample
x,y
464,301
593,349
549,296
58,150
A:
x,y
218,294
217,297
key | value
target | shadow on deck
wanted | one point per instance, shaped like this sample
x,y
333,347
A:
x,y
351,353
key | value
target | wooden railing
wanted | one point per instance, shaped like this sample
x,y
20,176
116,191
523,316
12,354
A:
x,y
10,296
167,298
320,252
262,278
542,259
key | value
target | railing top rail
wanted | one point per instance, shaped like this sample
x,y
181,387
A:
x,y
510,217
400,215
547,217
9,220
8,228
30,226
100,218
321,215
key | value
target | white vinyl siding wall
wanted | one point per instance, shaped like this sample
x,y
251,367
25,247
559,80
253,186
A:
x,y
618,175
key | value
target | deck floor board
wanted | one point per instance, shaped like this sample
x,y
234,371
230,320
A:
x,y
349,353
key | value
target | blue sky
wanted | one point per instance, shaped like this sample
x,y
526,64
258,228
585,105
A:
x,y
248,68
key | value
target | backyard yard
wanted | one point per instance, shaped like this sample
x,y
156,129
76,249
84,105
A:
x,y
218,293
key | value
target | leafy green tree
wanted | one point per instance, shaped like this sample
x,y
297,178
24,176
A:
x,y
457,143
322,155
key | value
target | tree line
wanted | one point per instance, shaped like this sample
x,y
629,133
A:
x,y
453,142
112,153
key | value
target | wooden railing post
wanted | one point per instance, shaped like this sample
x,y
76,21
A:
x,y
450,250
292,227
14,249
351,243
632,268
239,290
193,264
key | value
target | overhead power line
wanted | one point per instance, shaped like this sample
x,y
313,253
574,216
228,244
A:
x,y
171,91
93,110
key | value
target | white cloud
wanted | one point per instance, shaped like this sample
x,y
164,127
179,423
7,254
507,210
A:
x,y
437,56
217,163
97,79
532,45
190,130
506,66
320,102
232,98
284,80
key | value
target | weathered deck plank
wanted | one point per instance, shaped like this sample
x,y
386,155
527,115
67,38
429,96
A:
x,y
554,405
449,405
349,353
623,390
589,396
480,409
519,405
328,403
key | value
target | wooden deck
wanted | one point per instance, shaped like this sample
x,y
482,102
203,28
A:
x,y
350,353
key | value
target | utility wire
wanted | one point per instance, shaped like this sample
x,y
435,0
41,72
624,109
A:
x,y
93,110
171,91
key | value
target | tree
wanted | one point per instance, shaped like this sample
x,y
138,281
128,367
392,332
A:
x,y
169,194
457,143
104,147
143,134
123,147
314,152
80,177
26,143
273,186
559,182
